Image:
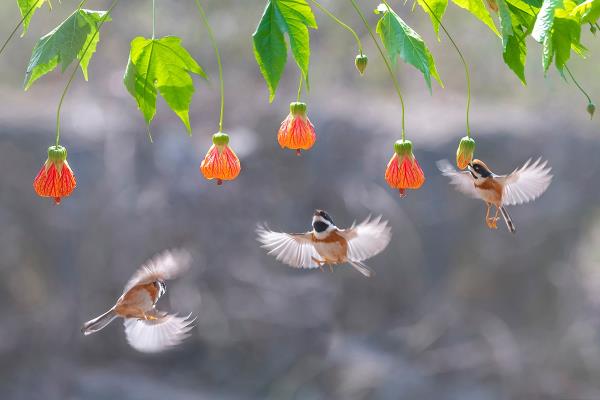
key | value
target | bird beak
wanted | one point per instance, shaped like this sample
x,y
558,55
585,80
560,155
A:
x,y
316,214
470,167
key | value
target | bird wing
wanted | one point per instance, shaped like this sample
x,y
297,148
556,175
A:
x,y
367,239
526,183
152,336
164,266
294,249
462,180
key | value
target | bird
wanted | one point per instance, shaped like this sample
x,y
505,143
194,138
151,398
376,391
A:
x,y
521,186
147,329
326,244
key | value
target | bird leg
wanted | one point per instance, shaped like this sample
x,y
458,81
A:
x,y
487,215
494,221
320,263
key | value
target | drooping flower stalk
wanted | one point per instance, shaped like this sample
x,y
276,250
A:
x,y
361,59
591,107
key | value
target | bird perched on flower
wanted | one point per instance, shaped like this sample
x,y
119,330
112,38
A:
x,y
328,245
523,185
403,170
296,131
55,179
146,328
221,162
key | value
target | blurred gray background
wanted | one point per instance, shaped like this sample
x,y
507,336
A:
x,y
456,311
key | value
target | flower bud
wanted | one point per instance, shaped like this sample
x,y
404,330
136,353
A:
x,y
464,153
361,62
591,107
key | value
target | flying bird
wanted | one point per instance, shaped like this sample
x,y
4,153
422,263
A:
x,y
521,186
327,244
146,328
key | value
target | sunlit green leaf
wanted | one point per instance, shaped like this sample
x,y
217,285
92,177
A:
x,y
436,11
505,22
74,38
401,40
478,9
588,11
293,17
545,19
161,66
28,8
515,54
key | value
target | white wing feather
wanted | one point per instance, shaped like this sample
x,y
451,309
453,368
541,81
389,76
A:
x,y
295,250
461,180
152,336
526,183
164,266
367,239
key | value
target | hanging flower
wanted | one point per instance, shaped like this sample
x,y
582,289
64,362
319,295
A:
x,y
296,131
591,107
55,178
361,62
220,162
464,153
403,171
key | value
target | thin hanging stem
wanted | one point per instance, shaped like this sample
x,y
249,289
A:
x,y
219,63
153,19
14,31
462,58
387,62
64,94
300,87
578,85
340,23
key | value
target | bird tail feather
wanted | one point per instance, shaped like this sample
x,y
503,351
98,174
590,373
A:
x,y
508,220
98,323
362,268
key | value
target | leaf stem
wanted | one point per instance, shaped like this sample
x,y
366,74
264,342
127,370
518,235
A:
x,y
153,19
215,46
299,87
386,61
340,23
14,31
70,81
464,62
577,84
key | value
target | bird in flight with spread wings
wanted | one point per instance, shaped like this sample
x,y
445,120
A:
x,y
327,244
523,185
146,328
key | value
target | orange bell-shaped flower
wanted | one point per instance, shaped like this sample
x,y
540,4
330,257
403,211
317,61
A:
x,y
220,162
403,171
55,178
464,153
296,132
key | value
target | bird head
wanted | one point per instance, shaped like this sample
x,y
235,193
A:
x,y
322,222
478,169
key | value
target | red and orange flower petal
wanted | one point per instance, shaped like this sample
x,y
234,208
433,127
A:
x,y
55,178
296,131
403,170
221,162
464,153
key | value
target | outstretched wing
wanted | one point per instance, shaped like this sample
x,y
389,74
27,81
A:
x,y
164,266
367,239
152,336
294,249
526,183
462,180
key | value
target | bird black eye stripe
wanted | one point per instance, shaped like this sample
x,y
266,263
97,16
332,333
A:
x,y
320,226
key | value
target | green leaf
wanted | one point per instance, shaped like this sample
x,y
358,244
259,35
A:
x,y
545,19
566,35
28,8
547,53
515,54
505,22
74,38
438,7
401,40
478,9
293,17
161,66
587,12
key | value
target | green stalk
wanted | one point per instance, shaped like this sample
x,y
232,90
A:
x,y
578,85
340,23
463,61
70,81
299,87
386,61
218,56
153,19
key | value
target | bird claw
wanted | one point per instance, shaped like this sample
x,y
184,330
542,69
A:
x,y
492,223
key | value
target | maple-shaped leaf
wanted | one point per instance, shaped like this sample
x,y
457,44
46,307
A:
x,y
75,38
28,8
293,17
161,66
401,40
